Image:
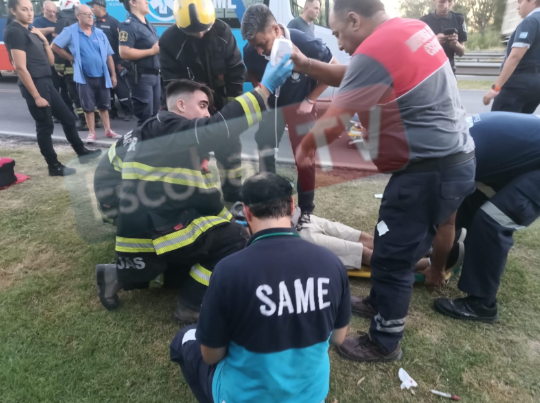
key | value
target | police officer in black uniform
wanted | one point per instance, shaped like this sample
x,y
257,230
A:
x,y
517,89
203,49
139,44
449,27
111,27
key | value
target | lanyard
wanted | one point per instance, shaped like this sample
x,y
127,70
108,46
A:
x,y
275,234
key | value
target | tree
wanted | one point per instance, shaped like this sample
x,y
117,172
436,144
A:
x,y
415,8
481,13
500,7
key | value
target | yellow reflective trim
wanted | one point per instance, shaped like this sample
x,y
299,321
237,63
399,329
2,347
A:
x,y
255,105
167,174
231,173
69,70
225,214
247,112
114,159
112,153
186,236
200,274
133,245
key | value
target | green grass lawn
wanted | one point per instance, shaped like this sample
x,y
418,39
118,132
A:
x,y
58,344
483,85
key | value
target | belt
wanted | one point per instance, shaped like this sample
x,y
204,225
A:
x,y
437,164
144,70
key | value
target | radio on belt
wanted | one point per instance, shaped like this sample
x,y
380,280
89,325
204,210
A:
x,y
280,49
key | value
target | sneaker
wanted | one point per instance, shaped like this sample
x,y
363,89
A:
x,y
55,120
113,135
81,126
468,308
91,137
305,218
127,118
108,286
363,349
362,307
86,155
57,169
184,315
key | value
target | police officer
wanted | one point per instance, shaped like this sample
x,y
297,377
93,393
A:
x,y
167,205
139,44
110,26
507,199
517,89
203,49
449,27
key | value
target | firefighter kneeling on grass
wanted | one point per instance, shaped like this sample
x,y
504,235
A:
x,y
171,224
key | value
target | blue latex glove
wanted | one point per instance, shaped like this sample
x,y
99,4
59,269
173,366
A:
x,y
275,76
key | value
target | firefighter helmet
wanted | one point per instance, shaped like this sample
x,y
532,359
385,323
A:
x,y
68,4
194,16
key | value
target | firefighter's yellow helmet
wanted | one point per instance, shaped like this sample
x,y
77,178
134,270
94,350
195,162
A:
x,y
193,16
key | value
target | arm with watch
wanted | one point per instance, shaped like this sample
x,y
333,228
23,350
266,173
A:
x,y
510,65
307,105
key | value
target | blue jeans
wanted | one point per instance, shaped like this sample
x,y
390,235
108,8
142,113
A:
x,y
145,96
414,204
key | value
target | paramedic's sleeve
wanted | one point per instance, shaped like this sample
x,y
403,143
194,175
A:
x,y
212,328
344,309
315,48
234,119
365,83
526,33
107,182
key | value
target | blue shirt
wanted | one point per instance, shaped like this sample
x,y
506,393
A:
x,y
298,86
274,305
527,35
137,34
90,54
507,146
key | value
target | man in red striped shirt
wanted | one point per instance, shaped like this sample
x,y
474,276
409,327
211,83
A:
x,y
401,84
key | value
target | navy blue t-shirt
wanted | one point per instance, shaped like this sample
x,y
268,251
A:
x,y
274,305
527,35
507,146
298,86
42,22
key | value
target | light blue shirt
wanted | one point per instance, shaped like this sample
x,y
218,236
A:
x,y
90,54
71,38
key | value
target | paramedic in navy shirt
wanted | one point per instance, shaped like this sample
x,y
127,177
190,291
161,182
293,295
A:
x,y
507,199
270,311
517,89
296,101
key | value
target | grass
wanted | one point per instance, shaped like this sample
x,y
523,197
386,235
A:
x,y
483,85
491,40
60,345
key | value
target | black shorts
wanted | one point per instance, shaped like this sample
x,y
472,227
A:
x,y
94,94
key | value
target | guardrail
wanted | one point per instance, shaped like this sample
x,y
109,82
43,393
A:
x,y
480,63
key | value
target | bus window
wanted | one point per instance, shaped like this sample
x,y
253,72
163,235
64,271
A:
x,y
297,7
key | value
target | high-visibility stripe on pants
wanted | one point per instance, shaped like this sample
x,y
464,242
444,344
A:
x,y
500,218
200,274
389,326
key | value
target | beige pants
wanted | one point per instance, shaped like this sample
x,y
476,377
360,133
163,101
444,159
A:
x,y
339,238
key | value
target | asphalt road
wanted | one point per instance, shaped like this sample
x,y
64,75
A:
x,y
15,119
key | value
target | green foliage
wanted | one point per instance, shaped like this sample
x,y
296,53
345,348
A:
x,y
489,40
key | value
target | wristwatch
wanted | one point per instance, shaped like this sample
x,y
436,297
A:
x,y
495,88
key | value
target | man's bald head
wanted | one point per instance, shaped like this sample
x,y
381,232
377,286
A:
x,y
85,16
49,10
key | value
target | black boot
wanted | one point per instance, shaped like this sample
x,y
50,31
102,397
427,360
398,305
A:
x,y
108,286
86,155
468,308
57,169
81,125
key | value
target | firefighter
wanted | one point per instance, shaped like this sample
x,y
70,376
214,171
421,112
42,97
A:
x,y
203,49
171,224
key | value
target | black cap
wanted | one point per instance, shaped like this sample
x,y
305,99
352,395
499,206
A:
x,y
97,3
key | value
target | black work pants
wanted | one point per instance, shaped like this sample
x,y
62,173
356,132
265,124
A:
x,y
414,204
145,95
520,94
74,96
491,224
269,136
188,267
59,82
123,94
186,351
43,118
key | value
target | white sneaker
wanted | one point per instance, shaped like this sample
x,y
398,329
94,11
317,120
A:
x,y
113,135
91,137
